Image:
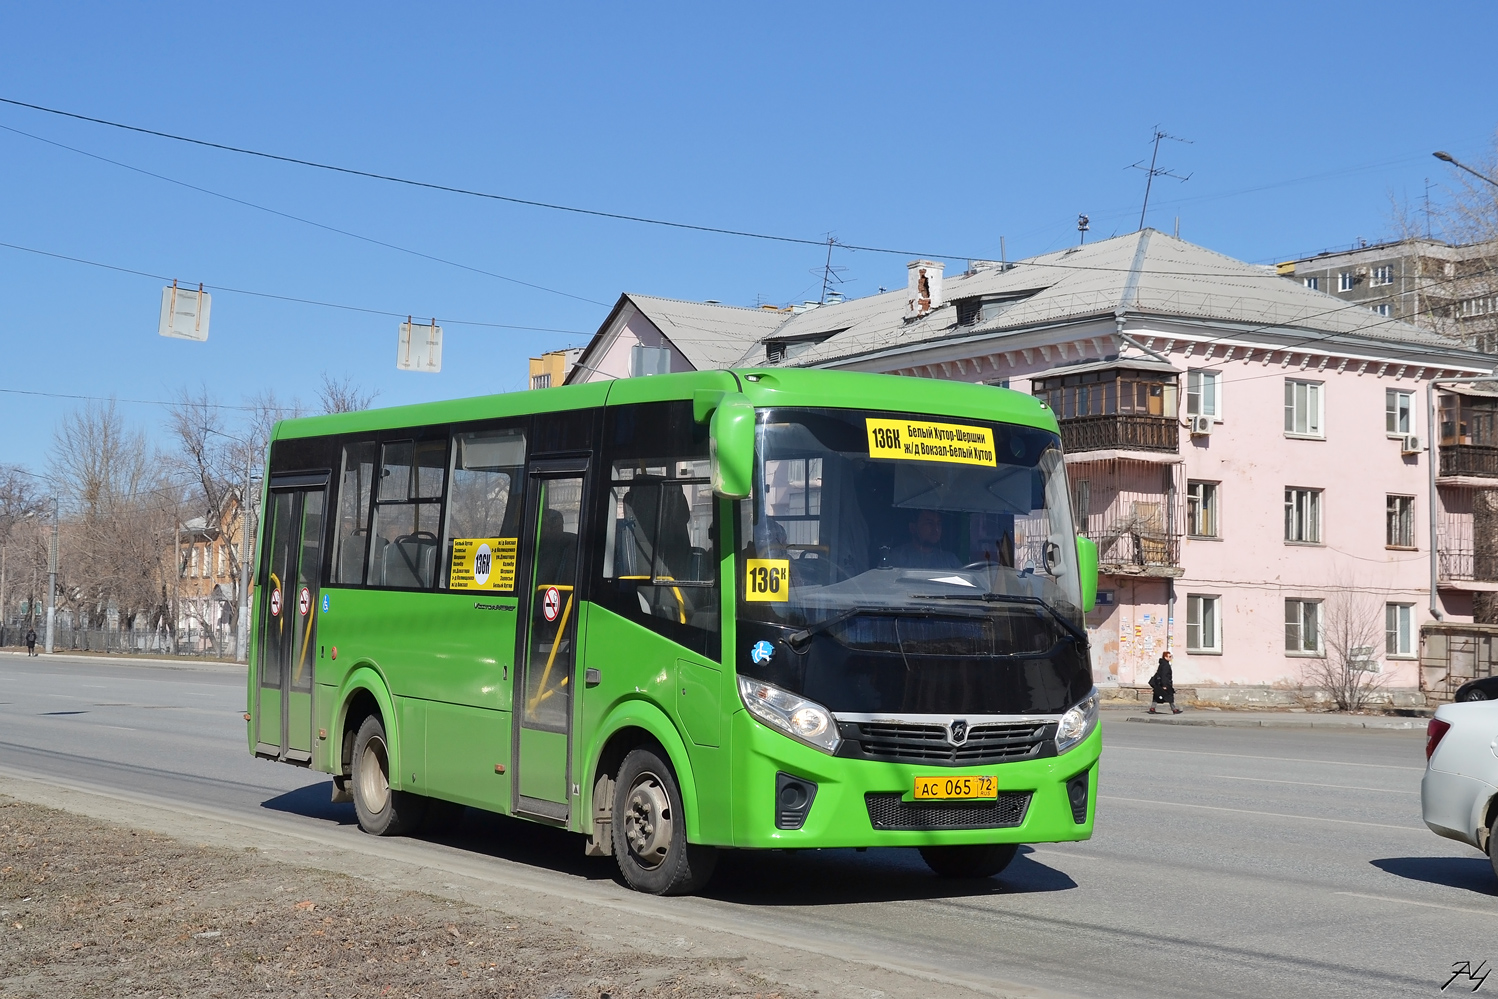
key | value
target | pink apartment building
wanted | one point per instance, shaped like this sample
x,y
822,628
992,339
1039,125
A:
x,y
1248,453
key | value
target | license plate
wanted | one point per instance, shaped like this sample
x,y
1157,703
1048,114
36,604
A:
x,y
955,788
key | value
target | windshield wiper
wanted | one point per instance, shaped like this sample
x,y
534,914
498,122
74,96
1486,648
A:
x,y
1011,598
797,639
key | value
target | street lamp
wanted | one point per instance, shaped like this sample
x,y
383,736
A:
x,y
1446,157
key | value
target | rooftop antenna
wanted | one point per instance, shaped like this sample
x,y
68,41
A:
x,y
1083,224
1151,172
830,275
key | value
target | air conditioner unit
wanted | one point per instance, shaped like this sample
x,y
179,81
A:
x,y
1411,444
1201,426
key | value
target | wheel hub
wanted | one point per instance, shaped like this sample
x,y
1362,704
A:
x,y
374,783
647,821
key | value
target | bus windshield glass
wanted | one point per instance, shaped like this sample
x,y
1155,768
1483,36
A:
x,y
911,563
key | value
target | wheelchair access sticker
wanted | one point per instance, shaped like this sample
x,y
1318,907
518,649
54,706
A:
x,y
762,652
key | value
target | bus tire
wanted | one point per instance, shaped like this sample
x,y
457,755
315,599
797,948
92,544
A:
x,y
649,830
381,811
982,860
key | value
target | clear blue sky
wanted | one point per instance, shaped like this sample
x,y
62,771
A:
x,y
935,127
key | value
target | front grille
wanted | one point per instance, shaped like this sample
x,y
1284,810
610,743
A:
x,y
906,743
887,810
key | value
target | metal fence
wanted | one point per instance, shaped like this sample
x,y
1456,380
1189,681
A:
x,y
123,642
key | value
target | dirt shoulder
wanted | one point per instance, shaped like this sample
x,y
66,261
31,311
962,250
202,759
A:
x,y
91,908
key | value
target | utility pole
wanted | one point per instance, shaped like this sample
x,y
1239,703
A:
x,y
242,635
52,581
3,617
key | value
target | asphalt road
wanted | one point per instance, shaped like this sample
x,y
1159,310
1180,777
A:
x,y
1227,862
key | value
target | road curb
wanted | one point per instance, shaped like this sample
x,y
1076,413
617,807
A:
x,y
1290,721
89,659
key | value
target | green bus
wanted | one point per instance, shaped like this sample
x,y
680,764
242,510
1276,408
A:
x,y
755,609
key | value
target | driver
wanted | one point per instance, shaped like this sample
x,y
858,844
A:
x,y
923,550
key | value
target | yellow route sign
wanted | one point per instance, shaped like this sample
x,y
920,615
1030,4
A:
x,y
483,563
923,440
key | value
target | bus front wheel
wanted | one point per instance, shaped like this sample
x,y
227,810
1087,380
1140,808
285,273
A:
x,y
649,828
982,860
381,810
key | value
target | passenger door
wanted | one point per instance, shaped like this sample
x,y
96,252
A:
x,y
291,566
548,647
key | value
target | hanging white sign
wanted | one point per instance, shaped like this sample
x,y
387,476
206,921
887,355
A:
x,y
184,312
420,347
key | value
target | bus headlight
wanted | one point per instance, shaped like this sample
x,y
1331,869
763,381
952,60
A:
x,y
1078,723
794,715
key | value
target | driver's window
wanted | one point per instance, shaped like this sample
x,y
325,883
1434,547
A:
x,y
407,515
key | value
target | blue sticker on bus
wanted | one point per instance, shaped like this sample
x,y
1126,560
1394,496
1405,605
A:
x,y
327,601
762,652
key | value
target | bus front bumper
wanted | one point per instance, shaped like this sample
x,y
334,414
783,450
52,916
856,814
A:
x,y
1035,804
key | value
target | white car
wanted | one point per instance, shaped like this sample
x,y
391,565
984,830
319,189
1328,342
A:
x,y
1459,792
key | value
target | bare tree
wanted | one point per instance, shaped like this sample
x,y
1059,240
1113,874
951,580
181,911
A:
x,y
1351,629
342,395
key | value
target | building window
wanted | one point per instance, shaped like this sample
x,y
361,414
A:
x,y
541,381
193,555
1302,408
1303,516
1203,623
1383,275
1313,283
1346,280
1399,408
1201,393
1400,522
1399,631
1383,310
1081,503
1201,509
1303,627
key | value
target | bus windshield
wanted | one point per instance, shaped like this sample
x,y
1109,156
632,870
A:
x,y
911,563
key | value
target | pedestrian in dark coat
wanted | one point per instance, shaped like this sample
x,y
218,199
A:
x,y
31,641
1163,684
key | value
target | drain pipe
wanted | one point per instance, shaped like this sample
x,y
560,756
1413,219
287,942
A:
x,y
1433,458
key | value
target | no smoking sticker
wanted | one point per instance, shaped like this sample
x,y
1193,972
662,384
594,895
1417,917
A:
x,y
304,601
551,603
275,602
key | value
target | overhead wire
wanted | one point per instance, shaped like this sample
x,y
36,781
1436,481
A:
x,y
298,218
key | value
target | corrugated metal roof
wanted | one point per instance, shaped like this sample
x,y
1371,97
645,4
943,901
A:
x,y
711,336
1144,273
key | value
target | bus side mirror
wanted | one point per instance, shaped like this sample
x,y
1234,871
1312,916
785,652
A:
x,y
1087,569
731,445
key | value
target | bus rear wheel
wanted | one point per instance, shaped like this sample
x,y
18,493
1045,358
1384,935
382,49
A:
x,y
381,810
982,860
649,828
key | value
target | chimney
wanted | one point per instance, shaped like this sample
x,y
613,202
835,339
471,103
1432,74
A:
x,y
923,288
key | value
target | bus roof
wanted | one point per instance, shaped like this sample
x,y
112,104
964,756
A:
x,y
764,387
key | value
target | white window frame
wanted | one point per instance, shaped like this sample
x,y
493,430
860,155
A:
x,y
1382,276
1402,507
1346,281
1202,493
1199,384
1315,405
1204,624
1392,412
1399,631
1313,283
1384,309
1297,647
1302,507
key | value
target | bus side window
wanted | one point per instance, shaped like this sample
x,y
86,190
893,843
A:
x,y
660,525
408,515
352,541
484,496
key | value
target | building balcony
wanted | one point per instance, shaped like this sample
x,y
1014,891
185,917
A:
x,y
1464,569
1466,461
1123,432
1125,550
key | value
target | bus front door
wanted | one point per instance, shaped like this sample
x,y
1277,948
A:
x,y
544,684
287,591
